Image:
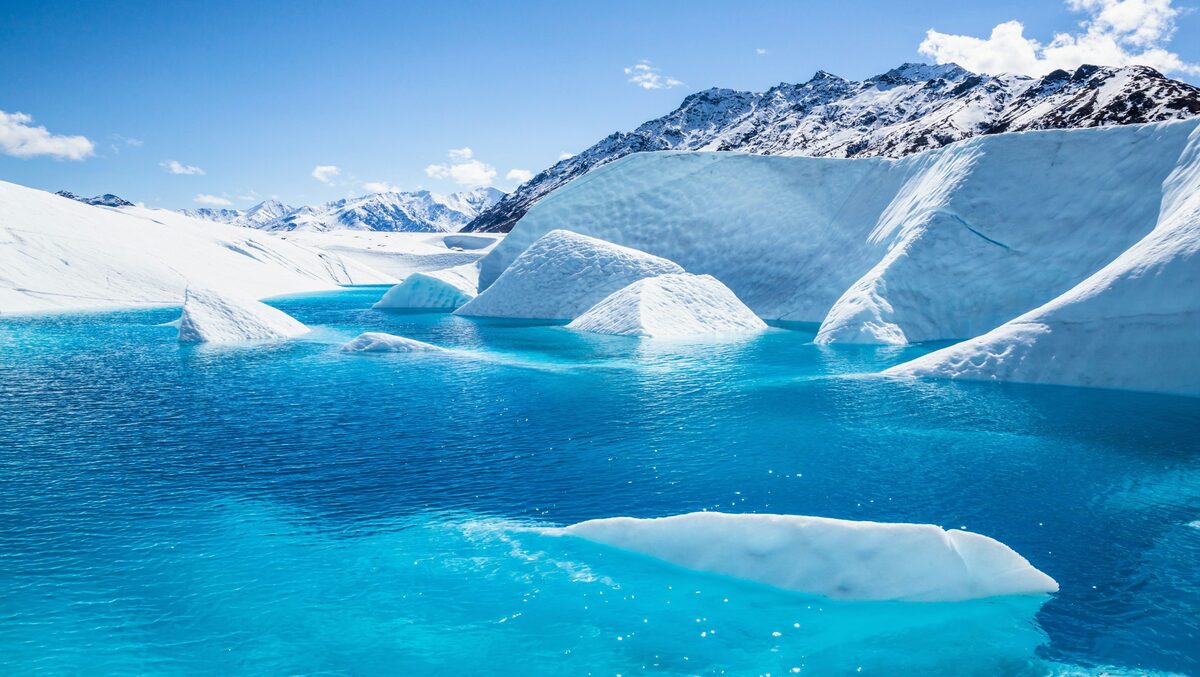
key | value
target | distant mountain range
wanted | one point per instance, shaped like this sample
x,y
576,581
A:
x,y
419,211
908,109
106,200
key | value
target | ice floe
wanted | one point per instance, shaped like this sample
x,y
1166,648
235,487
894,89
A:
x,y
434,290
381,342
214,317
678,305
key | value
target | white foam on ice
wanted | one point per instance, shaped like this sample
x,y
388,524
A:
x,y
561,275
940,245
679,305
839,559
434,290
1134,324
214,317
381,342
59,254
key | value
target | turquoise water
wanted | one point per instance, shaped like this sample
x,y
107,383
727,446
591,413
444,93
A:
x,y
292,509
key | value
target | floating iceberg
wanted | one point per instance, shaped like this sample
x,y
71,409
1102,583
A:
x,y
561,275
670,306
212,317
941,245
834,558
380,342
435,290
1133,325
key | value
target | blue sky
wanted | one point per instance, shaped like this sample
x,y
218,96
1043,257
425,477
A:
x,y
257,95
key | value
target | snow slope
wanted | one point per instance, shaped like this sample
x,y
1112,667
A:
x,y
435,290
670,306
56,253
212,317
1134,324
908,109
381,342
834,558
940,245
397,255
561,275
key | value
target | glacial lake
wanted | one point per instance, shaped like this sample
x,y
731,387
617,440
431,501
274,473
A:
x,y
289,508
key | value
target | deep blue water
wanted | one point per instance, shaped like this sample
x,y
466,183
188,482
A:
x,y
289,508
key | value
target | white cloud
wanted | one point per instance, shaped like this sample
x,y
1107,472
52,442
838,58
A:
x,y
1115,33
463,170
381,187
519,175
176,167
649,77
19,138
213,200
325,173
761,51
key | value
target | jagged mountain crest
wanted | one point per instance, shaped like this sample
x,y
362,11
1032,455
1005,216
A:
x,y
910,108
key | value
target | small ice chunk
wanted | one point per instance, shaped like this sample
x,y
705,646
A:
x,y
215,317
563,274
840,559
671,306
381,342
434,290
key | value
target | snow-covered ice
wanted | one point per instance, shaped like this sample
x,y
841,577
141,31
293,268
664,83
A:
x,y
839,559
397,254
57,254
435,290
214,317
381,342
561,275
1134,324
679,305
940,245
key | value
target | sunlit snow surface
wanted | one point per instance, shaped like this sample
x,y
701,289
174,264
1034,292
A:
x,y
290,508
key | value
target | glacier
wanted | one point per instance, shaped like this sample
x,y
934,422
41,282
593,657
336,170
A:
x,y
838,559
444,289
561,275
214,317
670,306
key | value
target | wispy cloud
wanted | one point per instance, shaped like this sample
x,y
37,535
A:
x,y
213,200
326,173
519,175
19,138
1114,33
647,76
463,169
381,187
761,51
177,167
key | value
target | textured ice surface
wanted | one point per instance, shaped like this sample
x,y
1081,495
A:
x,y
212,317
561,275
435,290
380,342
56,253
670,306
839,559
940,245
1135,324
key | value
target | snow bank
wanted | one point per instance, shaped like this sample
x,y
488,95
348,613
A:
x,y
436,290
397,255
212,317
1135,324
940,245
670,306
56,253
380,342
561,275
834,558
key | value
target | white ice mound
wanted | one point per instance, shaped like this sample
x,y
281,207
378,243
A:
x,y
561,275
213,317
381,342
434,290
834,558
671,306
1134,325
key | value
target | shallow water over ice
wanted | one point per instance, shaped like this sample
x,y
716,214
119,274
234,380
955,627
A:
x,y
293,508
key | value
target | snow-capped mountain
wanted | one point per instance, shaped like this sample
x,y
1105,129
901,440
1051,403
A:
x,y
419,211
106,200
908,109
